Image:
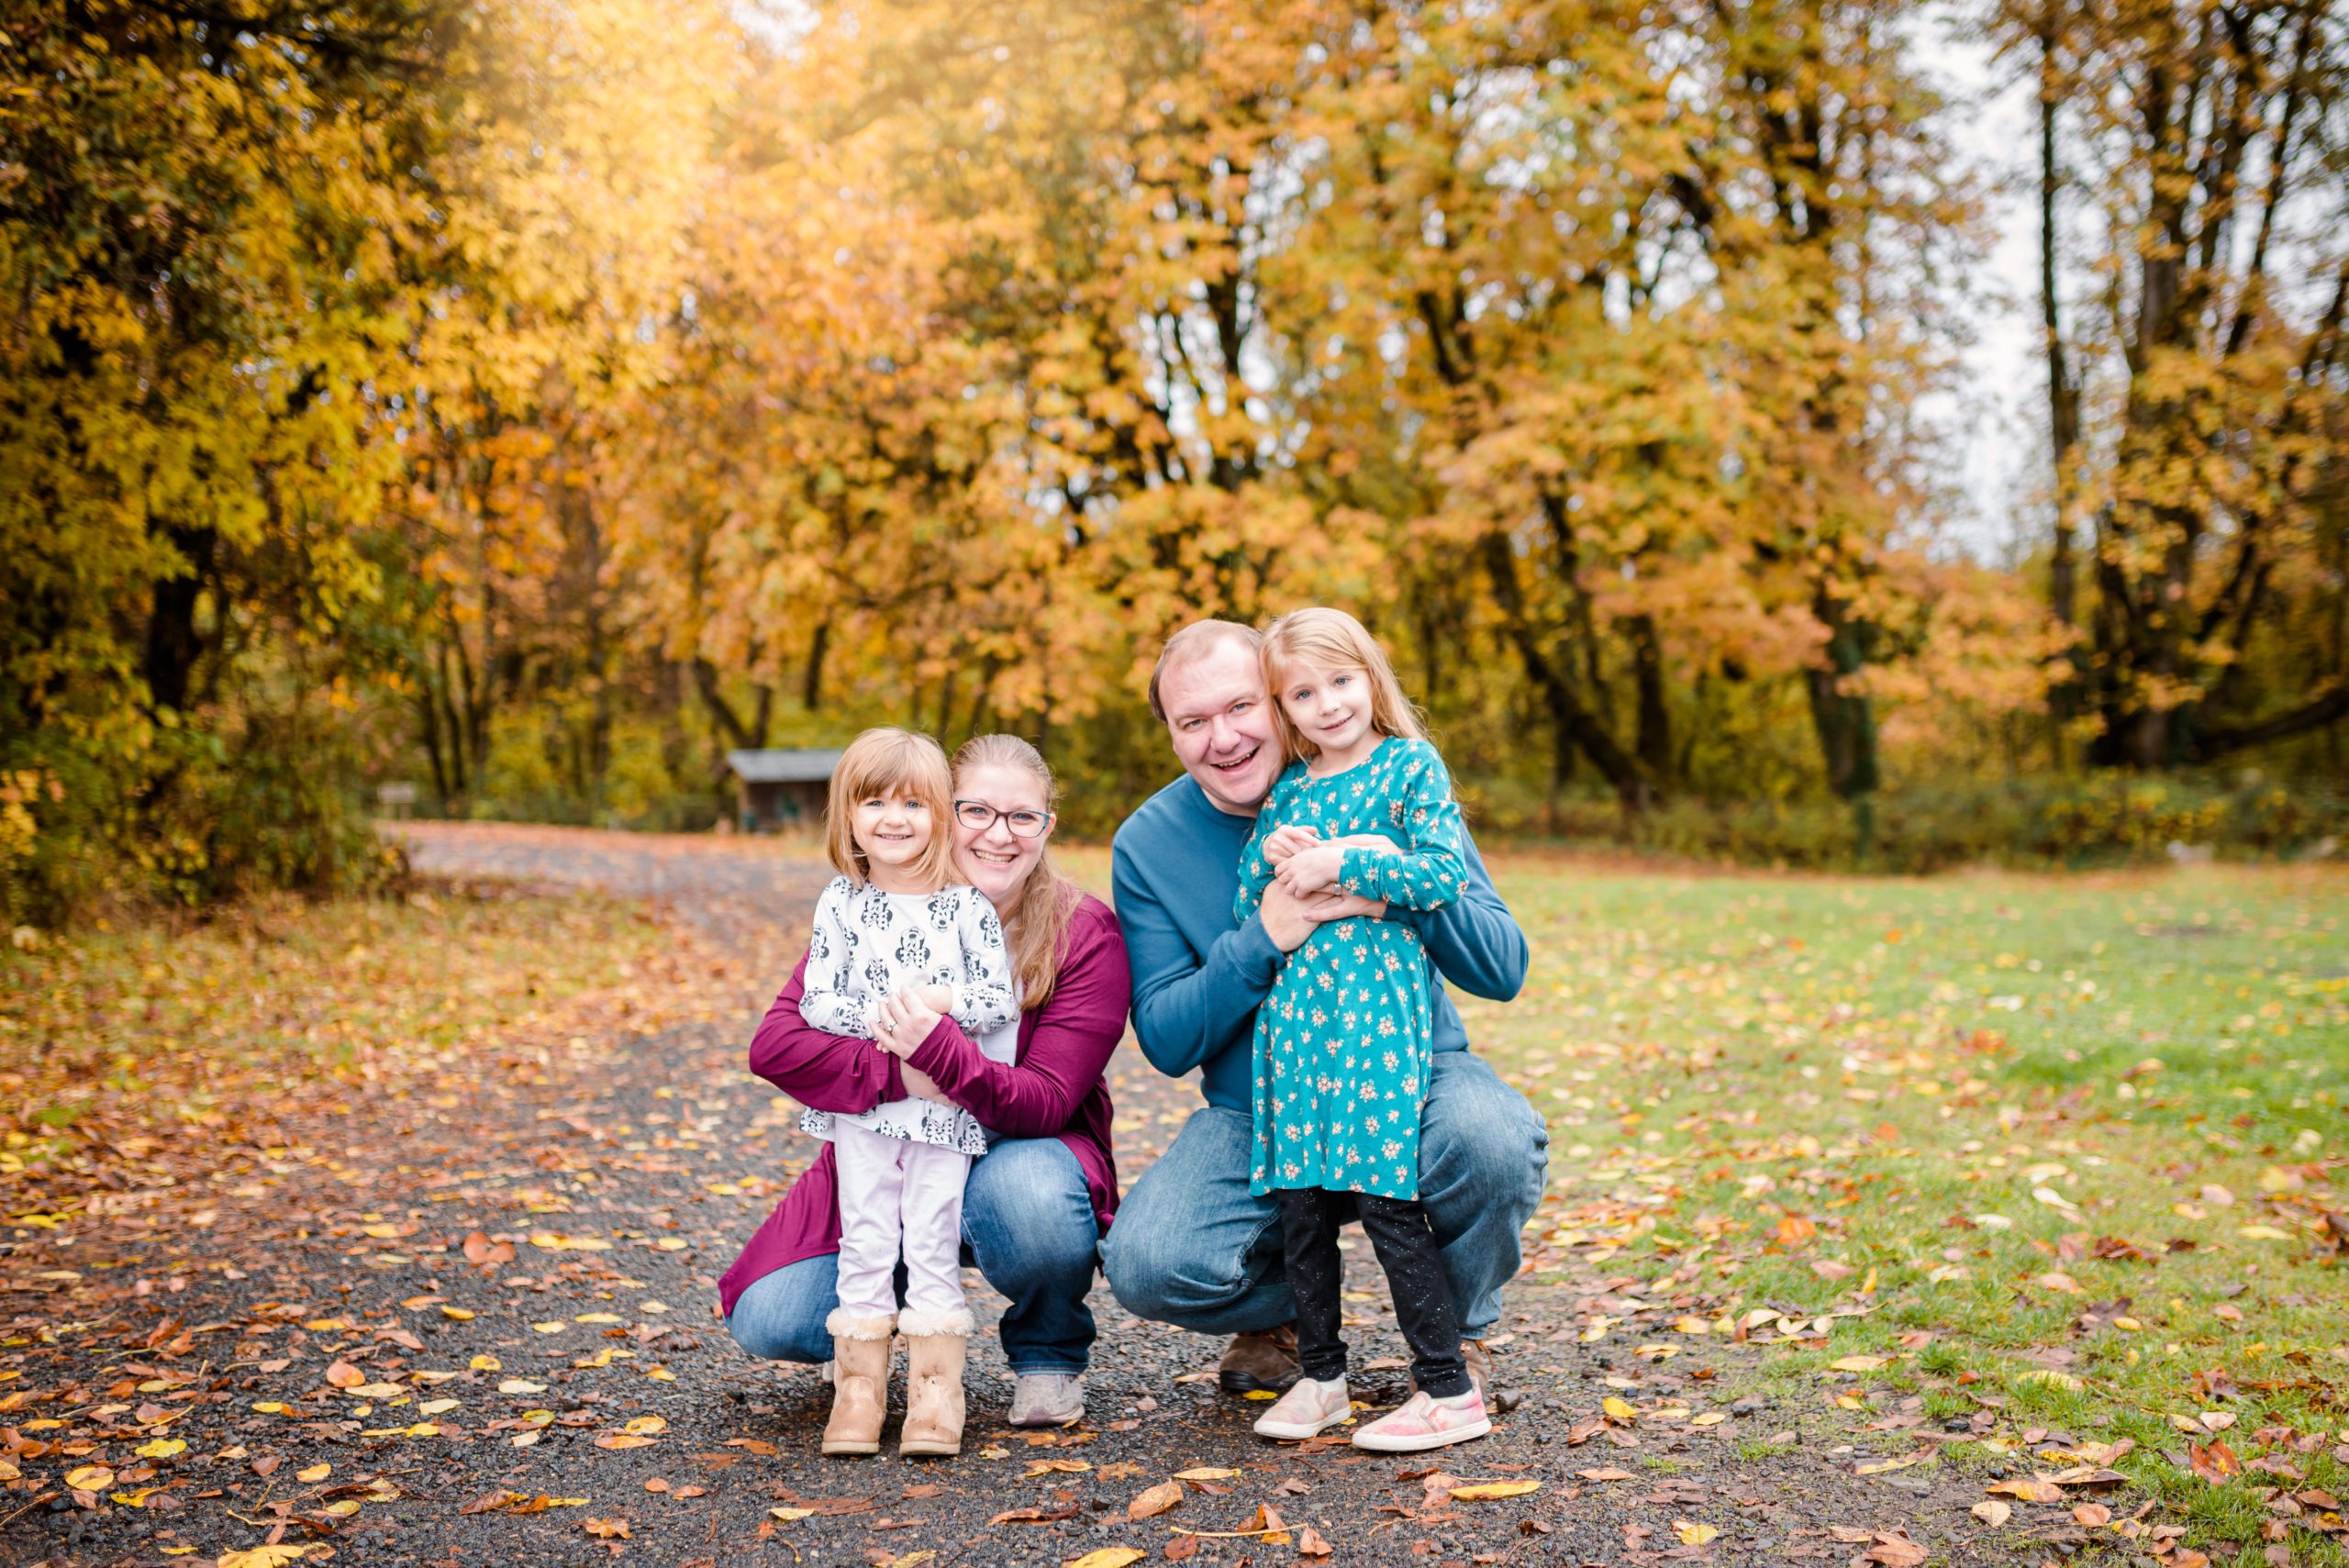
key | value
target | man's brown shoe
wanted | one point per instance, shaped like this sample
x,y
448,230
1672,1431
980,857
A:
x,y
1263,1362
1480,1370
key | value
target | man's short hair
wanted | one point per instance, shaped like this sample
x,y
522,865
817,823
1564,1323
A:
x,y
1195,643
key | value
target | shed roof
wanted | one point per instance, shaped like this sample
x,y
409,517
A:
x,y
774,766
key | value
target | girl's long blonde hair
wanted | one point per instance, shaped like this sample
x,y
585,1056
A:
x,y
881,762
1036,926
1335,641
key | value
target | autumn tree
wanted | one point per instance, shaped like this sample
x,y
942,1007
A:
x,y
2194,276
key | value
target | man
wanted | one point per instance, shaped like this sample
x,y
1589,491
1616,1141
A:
x,y
1192,1246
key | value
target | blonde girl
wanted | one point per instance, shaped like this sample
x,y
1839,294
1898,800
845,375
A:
x,y
1343,1043
894,922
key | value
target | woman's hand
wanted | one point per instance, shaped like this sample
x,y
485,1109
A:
x,y
1287,841
1311,870
905,1022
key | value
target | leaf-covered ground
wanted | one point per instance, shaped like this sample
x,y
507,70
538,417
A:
x,y
1974,1220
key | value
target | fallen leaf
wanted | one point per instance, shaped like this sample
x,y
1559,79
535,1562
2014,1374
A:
x,y
90,1478
2213,1461
1310,1544
606,1530
1607,1473
787,1515
2090,1516
1489,1491
1156,1501
1692,1533
1896,1551
1104,1557
621,1439
2030,1489
315,1473
1619,1410
1858,1364
1034,1516
645,1426
342,1375
1207,1472
1050,1466
1992,1512
263,1557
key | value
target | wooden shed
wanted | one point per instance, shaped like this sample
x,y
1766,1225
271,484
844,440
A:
x,y
776,789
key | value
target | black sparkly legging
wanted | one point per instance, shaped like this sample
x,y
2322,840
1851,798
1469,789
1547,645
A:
x,y
1406,1247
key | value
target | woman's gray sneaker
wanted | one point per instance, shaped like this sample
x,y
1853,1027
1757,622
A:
x,y
1047,1399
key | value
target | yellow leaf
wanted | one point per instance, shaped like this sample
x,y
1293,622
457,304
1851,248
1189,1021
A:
x,y
1992,1512
787,1515
520,1385
598,1318
1207,1472
1709,1418
1104,1557
342,1509
1692,1533
550,1328
263,1557
458,1313
90,1478
645,1426
487,1363
2262,1233
1490,1491
622,1439
160,1448
1858,1364
315,1473
1618,1410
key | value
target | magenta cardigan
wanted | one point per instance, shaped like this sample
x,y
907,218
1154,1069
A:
x,y
1052,1088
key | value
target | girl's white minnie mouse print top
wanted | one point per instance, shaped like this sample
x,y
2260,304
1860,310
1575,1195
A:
x,y
867,946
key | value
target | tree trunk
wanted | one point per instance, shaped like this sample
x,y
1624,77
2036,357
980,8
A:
x,y
1565,708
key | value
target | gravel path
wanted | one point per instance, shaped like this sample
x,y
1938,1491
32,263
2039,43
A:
x,y
629,1171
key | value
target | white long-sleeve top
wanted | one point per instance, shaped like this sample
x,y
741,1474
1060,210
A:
x,y
867,945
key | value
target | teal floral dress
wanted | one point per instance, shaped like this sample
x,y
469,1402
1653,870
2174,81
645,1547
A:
x,y
1342,1041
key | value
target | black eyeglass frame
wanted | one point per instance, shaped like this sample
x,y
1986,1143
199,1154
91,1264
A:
x,y
993,814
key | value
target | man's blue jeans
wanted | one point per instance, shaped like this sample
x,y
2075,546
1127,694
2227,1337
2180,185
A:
x,y
1028,1225
1193,1247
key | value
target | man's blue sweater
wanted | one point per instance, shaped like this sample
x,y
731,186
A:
x,y
1198,977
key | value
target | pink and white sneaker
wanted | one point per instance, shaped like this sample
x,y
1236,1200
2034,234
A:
x,y
1424,1422
1305,1409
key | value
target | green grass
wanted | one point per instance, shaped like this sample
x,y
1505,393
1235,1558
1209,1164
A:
x,y
1985,1112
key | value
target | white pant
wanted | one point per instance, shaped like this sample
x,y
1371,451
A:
x,y
893,1195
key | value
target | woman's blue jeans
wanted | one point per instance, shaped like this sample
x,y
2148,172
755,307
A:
x,y
1028,1227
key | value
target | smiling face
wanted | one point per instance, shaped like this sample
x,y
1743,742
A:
x,y
1220,719
994,858
1330,707
892,829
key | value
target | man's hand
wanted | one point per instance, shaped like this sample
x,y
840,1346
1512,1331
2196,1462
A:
x,y
1323,907
1287,841
1284,918
1289,919
1312,870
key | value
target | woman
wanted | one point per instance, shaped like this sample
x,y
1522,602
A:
x,y
1037,1201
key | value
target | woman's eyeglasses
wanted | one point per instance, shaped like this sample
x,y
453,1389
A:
x,y
978,817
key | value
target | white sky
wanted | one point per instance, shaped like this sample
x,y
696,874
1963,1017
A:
x,y
1995,417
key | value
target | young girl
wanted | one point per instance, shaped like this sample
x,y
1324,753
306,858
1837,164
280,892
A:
x,y
1343,1042
893,921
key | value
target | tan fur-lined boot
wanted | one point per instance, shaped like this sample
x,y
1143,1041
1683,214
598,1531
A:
x,y
935,1343
860,1382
